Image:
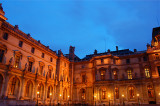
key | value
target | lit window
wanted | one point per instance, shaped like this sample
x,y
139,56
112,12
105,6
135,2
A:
x,y
150,91
40,90
102,75
147,72
115,75
116,93
129,72
17,61
103,94
83,94
131,92
49,91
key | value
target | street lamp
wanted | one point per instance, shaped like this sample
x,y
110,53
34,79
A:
x,y
60,98
50,97
95,100
123,99
138,99
37,96
109,99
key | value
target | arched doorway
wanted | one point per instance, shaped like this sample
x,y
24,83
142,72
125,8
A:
x,y
82,95
65,94
40,90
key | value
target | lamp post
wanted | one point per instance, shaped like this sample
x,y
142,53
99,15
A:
x,y
37,97
95,100
123,99
109,99
138,99
50,97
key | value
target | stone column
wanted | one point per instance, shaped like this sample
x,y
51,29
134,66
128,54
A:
x,y
6,86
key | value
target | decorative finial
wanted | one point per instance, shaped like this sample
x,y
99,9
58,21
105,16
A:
x,y
1,8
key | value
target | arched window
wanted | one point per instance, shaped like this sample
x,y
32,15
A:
x,y
14,87
83,94
129,72
40,90
29,89
1,55
147,72
1,82
131,92
103,93
150,91
116,93
102,75
30,63
50,90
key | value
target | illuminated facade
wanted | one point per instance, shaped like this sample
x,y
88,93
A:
x,y
32,73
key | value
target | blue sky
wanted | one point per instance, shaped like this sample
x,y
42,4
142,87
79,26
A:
x,y
86,24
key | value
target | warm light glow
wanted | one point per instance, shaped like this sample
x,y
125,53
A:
x,y
60,95
109,96
138,95
50,93
95,96
122,95
38,92
68,96
159,94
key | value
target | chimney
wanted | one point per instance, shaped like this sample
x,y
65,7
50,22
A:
x,y
116,48
109,51
16,27
28,35
71,53
60,52
135,50
95,51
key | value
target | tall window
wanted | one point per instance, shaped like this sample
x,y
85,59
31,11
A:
x,y
50,89
129,72
116,93
1,55
158,67
65,94
49,73
51,59
147,72
40,90
83,94
102,75
20,43
115,74
42,55
5,36
29,88
83,78
103,94
41,70
14,87
102,61
33,49
150,91
30,66
17,61
131,92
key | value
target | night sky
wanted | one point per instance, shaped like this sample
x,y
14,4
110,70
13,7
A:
x,y
86,24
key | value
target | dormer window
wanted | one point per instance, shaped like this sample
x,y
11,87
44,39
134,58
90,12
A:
x,y
42,55
33,49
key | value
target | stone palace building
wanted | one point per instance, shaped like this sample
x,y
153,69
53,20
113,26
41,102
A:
x,y
32,73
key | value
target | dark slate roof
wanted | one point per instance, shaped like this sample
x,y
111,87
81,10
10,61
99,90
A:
x,y
119,53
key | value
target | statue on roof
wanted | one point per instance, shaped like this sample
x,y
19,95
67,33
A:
x,y
1,8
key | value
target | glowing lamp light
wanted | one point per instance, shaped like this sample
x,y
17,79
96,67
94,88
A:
x,y
68,96
159,94
95,96
109,96
138,95
60,95
38,92
122,95
50,93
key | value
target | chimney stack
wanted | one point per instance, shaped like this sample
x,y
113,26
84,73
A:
x,y
71,53
116,48
95,51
